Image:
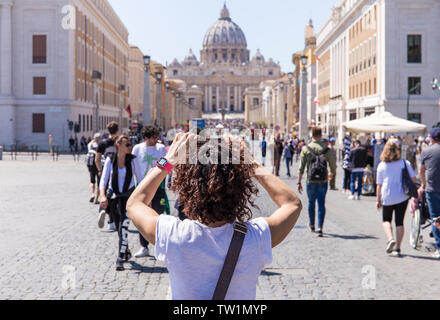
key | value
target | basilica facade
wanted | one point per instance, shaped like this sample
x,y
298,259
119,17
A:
x,y
225,69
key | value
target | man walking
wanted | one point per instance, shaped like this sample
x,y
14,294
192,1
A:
x,y
147,154
358,160
314,159
334,156
430,178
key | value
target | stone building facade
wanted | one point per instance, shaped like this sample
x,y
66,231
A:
x,y
372,54
50,52
225,69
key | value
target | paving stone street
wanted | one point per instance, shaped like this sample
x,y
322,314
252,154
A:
x,y
51,247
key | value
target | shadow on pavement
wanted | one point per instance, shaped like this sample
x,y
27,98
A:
x,y
268,273
145,269
347,237
419,257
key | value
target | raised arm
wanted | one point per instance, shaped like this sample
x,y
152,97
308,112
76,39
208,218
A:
x,y
144,217
282,221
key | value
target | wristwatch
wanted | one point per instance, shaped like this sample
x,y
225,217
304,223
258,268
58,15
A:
x,y
163,163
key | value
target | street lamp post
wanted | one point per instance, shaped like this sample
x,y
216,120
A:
x,y
167,111
159,98
436,86
303,124
289,117
96,79
146,115
121,90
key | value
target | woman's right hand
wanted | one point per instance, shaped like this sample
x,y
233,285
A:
x,y
103,202
378,205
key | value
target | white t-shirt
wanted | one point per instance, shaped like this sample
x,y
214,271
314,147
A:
x,y
146,157
389,175
194,255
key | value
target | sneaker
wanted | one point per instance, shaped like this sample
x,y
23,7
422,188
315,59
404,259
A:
x,y
358,197
92,199
352,197
436,254
390,246
120,265
112,227
396,253
142,253
312,228
320,233
101,218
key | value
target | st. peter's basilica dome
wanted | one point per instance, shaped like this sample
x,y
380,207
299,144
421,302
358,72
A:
x,y
224,32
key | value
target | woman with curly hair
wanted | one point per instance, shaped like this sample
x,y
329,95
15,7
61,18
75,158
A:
x,y
215,194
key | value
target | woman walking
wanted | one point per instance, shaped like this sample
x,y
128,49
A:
x,y
217,200
390,195
120,175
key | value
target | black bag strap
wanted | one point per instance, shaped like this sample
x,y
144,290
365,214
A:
x,y
320,154
240,230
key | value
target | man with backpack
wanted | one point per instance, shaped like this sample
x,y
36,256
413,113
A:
x,y
91,165
314,159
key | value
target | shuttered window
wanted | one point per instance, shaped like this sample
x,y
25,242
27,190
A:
x,y
38,123
39,85
39,49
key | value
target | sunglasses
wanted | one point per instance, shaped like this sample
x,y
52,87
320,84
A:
x,y
128,145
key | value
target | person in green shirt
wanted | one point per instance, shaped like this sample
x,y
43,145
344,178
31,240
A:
x,y
317,183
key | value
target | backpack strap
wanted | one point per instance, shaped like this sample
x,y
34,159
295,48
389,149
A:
x,y
311,151
327,149
240,230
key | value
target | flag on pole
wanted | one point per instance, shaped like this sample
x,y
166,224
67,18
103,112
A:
x,y
128,109
317,57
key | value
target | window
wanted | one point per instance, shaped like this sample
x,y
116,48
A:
x,y
39,49
175,72
416,117
38,123
369,111
414,49
414,84
39,85
271,73
353,115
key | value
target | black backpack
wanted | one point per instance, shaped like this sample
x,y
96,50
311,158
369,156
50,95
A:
x,y
318,166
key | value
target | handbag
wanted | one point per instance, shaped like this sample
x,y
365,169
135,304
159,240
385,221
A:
x,y
240,230
409,187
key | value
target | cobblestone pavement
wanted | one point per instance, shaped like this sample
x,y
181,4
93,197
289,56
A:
x,y
51,248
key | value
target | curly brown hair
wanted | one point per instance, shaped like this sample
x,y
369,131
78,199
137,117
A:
x,y
213,193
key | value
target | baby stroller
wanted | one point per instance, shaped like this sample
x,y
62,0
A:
x,y
421,220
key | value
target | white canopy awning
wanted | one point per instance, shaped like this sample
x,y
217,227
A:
x,y
383,122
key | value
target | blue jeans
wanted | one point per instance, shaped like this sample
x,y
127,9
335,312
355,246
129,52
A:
x,y
433,200
317,192
359,176
288,161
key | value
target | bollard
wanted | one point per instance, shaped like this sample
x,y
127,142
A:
x,y
1,152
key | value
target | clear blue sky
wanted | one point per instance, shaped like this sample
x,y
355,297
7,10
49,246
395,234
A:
x,y
166,29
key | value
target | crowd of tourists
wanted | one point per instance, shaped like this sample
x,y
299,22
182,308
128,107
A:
x,y
215,201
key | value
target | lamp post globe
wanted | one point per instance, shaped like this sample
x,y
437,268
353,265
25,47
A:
x,y
304,60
